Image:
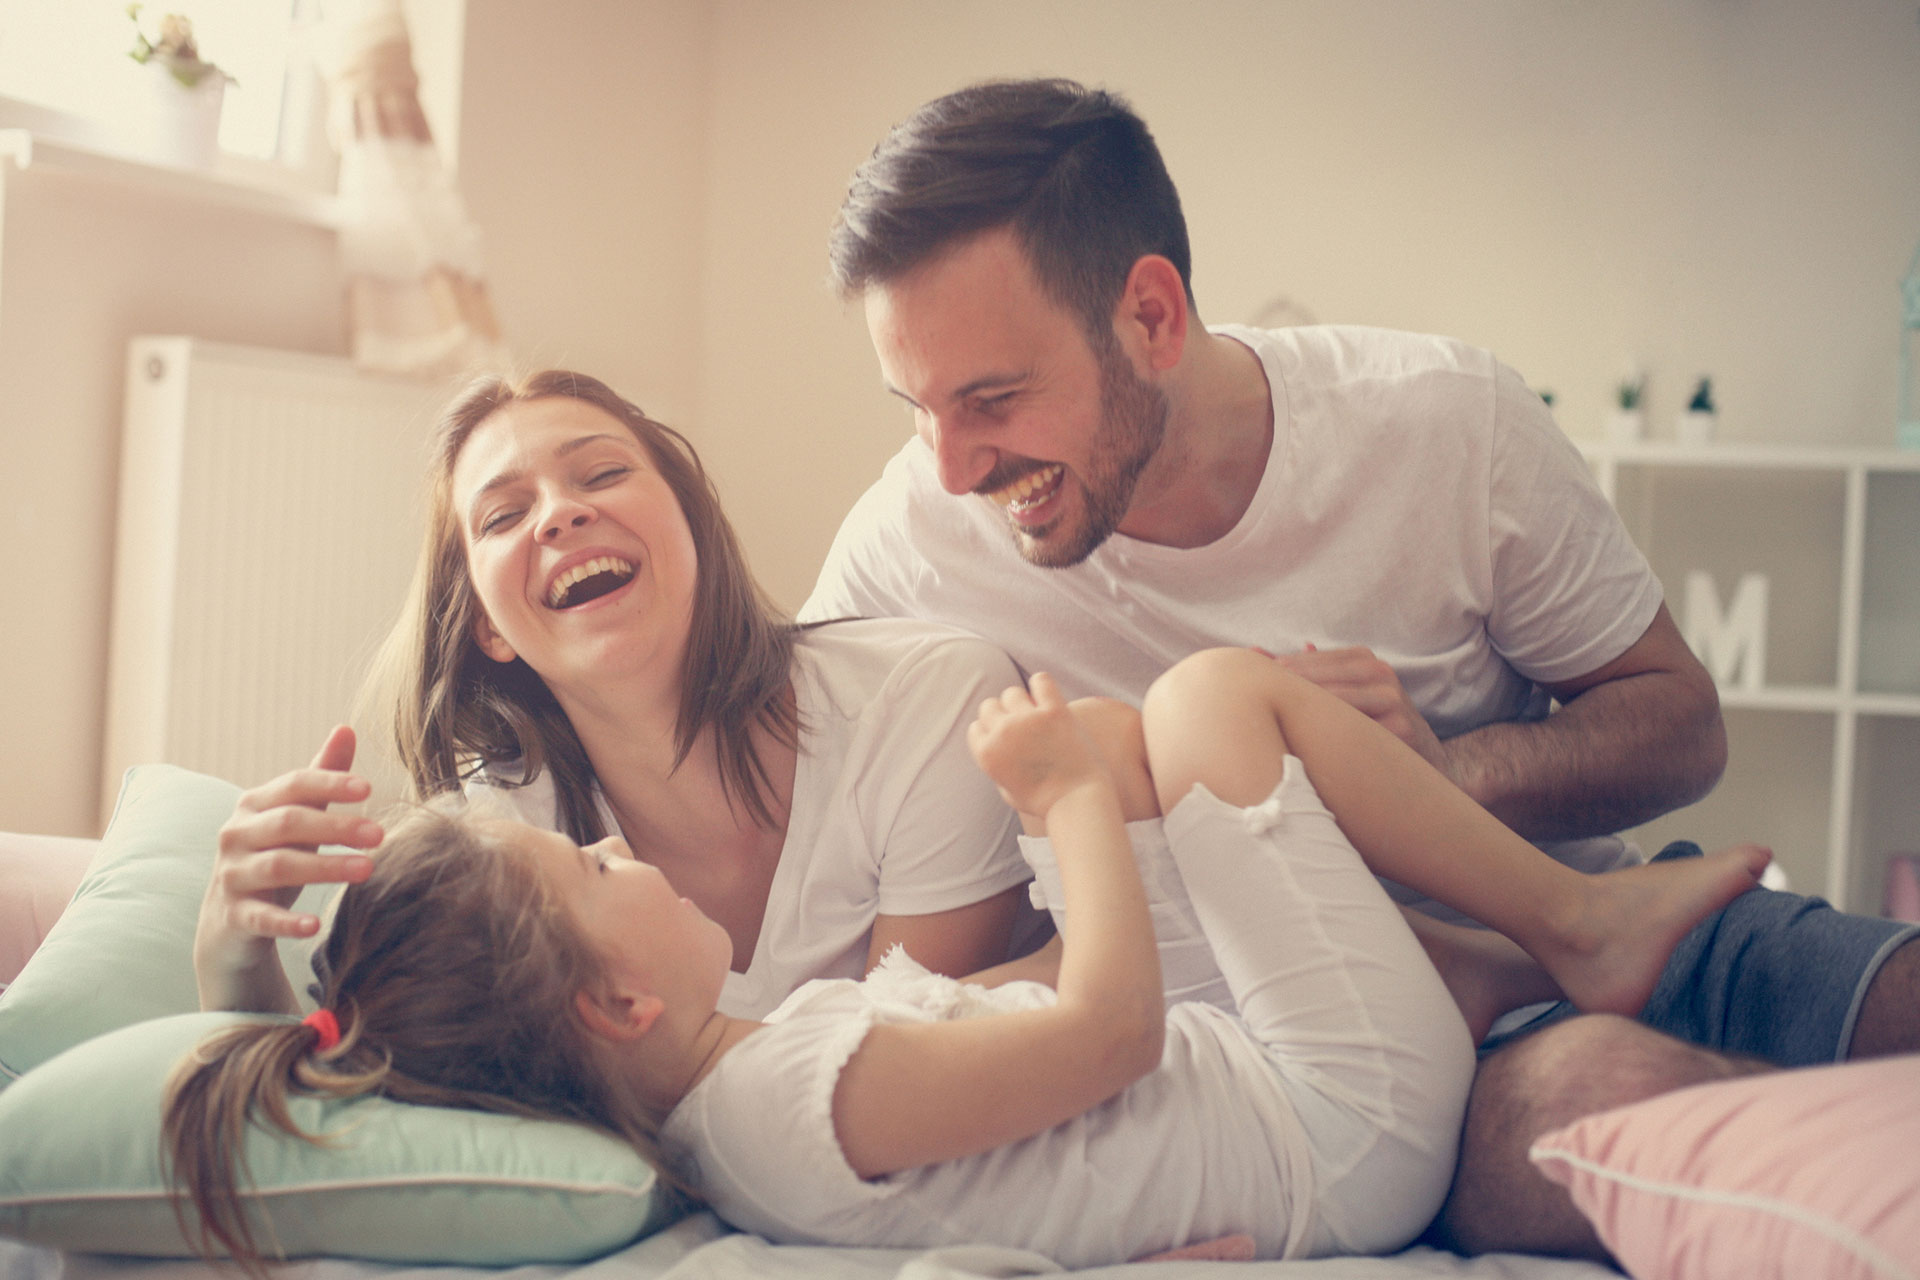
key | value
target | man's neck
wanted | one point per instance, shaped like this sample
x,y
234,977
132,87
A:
x,y
1219,433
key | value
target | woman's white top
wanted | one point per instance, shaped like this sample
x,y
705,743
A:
x,y
890,814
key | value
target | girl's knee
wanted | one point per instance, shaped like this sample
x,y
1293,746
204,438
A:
x,y
1117,732
1209,678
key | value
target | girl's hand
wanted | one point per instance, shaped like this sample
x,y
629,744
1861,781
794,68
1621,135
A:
x,y
267,855
1032,746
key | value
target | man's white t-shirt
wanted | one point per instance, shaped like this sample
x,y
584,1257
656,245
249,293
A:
x,y
1418,499
890,814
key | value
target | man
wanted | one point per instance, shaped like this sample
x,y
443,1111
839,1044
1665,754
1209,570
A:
x,y
1102,485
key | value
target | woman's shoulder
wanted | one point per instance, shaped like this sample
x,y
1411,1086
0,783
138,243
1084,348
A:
x,y
872,654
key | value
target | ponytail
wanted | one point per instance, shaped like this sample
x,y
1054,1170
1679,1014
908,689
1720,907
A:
x,y
212,1096
448,979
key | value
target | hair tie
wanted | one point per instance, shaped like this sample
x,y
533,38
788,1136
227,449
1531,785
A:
x,y
328,1027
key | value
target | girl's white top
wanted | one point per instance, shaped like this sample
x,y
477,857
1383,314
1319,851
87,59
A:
x,y
1196,1150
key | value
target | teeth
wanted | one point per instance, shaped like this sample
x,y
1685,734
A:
x,y
1019,495
580,572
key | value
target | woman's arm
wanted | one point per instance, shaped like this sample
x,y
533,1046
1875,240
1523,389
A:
x,y
268,854
962,941
920,1093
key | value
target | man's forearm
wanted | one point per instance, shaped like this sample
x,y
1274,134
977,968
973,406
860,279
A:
x,y
1619,754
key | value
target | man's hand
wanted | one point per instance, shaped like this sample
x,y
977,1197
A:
x,y
1359,678
1033,747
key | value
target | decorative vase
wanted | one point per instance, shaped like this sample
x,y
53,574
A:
x,y
180,124
1626,426
1694,428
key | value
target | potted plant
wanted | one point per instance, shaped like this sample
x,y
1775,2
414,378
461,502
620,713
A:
x,y
1628,422
180,123
1696,424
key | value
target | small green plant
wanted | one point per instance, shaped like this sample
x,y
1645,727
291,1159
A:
x,y
175,49
1702,401
1629,390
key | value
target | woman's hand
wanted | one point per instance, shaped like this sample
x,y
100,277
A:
x,y
1033,747
267,855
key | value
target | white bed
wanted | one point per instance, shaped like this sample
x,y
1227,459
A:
x,y
699,1248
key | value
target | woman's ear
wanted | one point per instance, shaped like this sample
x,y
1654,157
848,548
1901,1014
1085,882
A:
x,y
491,642
619,1016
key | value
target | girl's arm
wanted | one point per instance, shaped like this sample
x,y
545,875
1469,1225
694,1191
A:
x,y
268,854
921,1093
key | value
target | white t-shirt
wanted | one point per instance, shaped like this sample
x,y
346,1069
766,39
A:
x,y
1207,1145
890,814
1418,500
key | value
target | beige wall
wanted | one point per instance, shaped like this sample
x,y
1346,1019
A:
x,y
86,263
1719,186
1701,185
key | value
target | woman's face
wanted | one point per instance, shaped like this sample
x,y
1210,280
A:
x,y
580,556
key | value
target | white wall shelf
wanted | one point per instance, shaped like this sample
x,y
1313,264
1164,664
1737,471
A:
x,y
1824,749
256,186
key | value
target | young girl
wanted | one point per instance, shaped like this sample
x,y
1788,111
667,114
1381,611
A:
x,y
491,965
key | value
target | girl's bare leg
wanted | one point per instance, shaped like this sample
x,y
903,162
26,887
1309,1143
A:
x,y
1486,973
1228,717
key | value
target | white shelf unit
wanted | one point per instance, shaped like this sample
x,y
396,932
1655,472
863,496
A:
x,y
1824,755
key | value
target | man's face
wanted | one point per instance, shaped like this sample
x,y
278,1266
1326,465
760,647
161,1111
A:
x,y
1017,406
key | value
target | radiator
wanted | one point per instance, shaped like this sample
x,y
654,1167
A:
x,y
268,523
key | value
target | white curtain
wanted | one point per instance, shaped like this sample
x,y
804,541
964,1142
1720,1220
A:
x,y
416,292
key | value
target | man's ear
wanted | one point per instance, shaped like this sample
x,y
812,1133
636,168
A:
x,y
1152,316
491,642
619,1016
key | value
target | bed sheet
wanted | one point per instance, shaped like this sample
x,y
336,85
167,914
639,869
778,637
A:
x,y
700,1248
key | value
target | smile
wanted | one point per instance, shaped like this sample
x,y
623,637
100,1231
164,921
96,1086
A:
x,y
1030,490
589,580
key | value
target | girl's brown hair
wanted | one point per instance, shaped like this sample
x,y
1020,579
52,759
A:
x,y
452,971
456,711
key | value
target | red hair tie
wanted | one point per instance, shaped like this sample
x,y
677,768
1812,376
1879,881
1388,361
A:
x,y
328,1027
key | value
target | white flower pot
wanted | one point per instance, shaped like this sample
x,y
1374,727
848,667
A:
x,y
1694,428
1626,426
177,125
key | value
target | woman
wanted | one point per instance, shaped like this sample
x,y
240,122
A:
x,y
584,633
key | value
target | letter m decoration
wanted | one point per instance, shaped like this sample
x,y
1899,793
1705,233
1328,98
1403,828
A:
x,y
1732,643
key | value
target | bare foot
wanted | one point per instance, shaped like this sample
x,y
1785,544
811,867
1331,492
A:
x,y
1486,973
1608,957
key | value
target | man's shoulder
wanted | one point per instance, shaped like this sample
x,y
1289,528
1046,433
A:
x,y
904,529
1358,352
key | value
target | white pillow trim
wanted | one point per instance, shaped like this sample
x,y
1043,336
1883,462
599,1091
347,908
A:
x,y
1864,1247
626,1189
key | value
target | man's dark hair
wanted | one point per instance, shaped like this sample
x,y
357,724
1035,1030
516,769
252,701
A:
x,y
1072,170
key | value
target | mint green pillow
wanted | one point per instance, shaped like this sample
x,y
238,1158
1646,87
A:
x,y
80,1169
93,1024
122,951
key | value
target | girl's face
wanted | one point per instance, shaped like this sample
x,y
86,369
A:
x,y
653,940
580,556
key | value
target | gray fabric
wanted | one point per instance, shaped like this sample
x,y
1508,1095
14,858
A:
x,y
1773,975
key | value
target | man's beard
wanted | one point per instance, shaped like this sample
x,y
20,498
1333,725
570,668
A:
x,y
1133,422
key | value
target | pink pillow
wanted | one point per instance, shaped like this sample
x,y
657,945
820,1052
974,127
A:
x,y
38,875
1793,1174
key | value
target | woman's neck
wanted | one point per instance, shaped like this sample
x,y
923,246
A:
x,y
685,821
